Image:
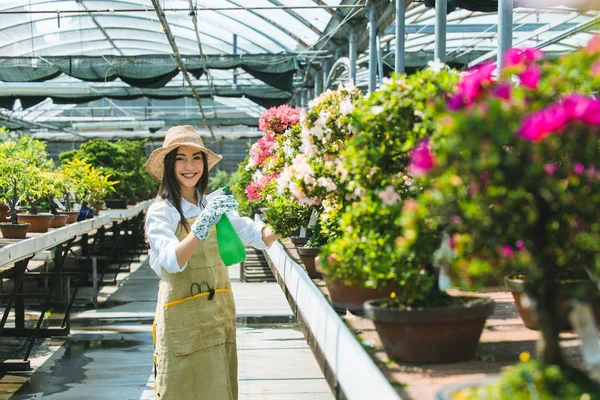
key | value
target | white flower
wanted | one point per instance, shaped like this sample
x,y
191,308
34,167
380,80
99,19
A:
x,y
257,175
386,81
389,196
436,66
346,107
317,131
376,110
327,183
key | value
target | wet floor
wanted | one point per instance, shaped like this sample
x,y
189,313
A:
x,y
109,353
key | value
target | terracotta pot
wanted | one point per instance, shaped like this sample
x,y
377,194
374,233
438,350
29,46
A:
x,y
97,209
72,216
430,335
4,212
11,231
307,255
299,241
40,223
516,285
352,297
59,221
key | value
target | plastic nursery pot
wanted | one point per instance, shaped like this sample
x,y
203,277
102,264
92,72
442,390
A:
x,y
430,335
40,223
308,255
351,298
59,221
12,231
515,283
116,203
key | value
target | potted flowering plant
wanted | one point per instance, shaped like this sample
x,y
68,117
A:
x,y
361,264
516,180
311,177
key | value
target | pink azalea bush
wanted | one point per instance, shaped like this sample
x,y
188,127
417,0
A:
x,y
514,179
278,119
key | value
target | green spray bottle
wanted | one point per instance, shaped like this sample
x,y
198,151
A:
x,y
231,248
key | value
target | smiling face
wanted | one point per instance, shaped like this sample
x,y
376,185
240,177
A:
x,y
189,166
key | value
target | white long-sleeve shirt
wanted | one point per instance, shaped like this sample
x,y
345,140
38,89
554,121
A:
x,y
161,223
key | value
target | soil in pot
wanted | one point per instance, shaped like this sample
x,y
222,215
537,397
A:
x,y
515,283
40,223
59,221
12,231
307,255
351,298
431,335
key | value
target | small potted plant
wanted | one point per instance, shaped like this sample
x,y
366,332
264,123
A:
x,y
516,180
34,196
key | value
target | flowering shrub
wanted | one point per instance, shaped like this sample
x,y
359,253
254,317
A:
x,y
377,185
516,178
312,178
278,119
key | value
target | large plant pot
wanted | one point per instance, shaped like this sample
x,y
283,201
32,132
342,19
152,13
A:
x,y
430,335
515,283
11,231
351,298
116,203
59,221
308,255
299,241
40,223
4,213
72,216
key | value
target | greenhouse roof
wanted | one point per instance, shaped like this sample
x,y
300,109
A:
x,y
66,62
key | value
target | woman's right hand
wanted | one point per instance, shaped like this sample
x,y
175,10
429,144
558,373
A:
x,y
211,214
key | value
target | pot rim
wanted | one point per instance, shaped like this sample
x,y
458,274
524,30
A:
x,y
480,307
308,251
10,225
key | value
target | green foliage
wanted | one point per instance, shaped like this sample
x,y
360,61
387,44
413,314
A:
x,y
243,177
285,215
123,160
530,380
218,180
22,165
375,186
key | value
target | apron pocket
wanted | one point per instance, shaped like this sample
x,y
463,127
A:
x,y
194,325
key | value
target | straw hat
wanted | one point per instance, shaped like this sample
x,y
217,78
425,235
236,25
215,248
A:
x,y
183,135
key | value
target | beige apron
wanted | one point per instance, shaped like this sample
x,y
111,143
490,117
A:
x,y
194,330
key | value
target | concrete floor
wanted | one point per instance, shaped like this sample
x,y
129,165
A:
x,y
109,353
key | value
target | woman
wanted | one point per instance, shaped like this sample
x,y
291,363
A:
x,y
194,330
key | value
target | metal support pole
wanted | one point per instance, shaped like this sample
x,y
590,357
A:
x,y
318,85
325,66
352,54
379,62
441,7
302,98
235,49
372,49
400,35
505,23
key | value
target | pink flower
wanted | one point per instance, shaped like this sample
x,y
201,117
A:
x,y
484,176
471,85
261,151
421,159
531,76
389,196
455,102
520,245
593,45
578,168
517,56
503,91
550,168
507,251
539,124
456,219
582,108
595,69
277,120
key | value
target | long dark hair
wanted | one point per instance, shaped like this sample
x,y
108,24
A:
x,y
169,187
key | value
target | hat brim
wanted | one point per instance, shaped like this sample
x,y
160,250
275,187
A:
x,y
156,162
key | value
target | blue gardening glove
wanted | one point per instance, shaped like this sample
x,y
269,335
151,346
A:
x,y
211,214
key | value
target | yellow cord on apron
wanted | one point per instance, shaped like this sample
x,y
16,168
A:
x,y
174,303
